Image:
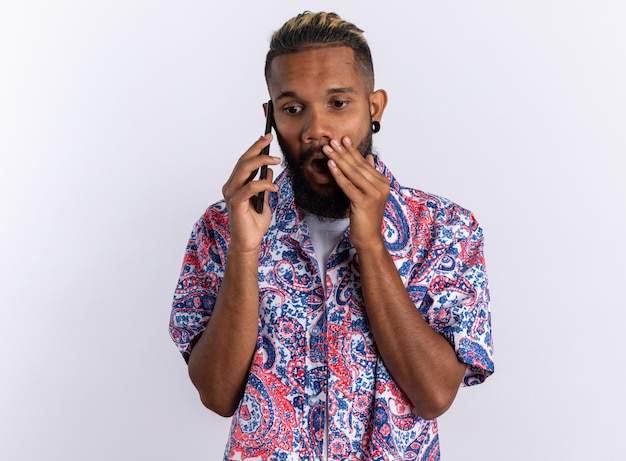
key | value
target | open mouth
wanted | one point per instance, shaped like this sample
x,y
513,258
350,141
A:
x,y
320,166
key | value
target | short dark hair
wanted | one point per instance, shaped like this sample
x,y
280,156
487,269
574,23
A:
x,y
320,30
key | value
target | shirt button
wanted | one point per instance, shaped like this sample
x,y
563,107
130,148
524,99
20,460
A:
x,y
316,330
312,401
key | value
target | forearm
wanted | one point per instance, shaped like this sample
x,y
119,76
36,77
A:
x,y
421,361
220,361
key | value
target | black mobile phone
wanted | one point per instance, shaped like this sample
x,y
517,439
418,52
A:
x,y
269,121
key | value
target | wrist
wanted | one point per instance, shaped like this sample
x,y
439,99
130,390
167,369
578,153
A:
x,y
374,247
243,252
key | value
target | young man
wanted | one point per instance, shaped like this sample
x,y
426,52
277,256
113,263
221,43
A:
x,y
340,321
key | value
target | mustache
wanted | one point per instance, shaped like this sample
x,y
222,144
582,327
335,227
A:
x,y
310,152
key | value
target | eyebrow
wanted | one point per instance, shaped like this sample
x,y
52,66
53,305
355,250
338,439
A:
x,y
293,94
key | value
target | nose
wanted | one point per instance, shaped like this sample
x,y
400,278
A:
x,y
317,128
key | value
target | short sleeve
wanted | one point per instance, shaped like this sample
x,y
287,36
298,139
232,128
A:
x,y
198,284
456,293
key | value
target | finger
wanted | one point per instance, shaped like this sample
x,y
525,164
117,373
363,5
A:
x,y
239,178
238,185
346,184
241,197
253,151
257,147
347,155
344,149
366,165
351,163
256,163
263,195
253,187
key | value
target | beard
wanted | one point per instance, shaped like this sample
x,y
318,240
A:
x,y
330,201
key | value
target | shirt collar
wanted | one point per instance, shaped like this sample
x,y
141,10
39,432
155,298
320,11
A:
x,y
290,219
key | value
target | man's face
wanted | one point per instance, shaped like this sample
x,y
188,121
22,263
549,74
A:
x,y
319,95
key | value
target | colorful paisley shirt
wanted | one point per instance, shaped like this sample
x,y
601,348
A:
x,y
314,340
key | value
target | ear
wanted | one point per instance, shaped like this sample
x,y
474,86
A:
x,y
264,109
378,102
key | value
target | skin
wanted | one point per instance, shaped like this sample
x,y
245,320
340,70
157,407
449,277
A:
x,y
321,100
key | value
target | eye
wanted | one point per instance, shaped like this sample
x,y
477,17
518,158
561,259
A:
x,y
292,110
340,104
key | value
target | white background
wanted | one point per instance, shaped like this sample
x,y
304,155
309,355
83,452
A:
x,y
121,120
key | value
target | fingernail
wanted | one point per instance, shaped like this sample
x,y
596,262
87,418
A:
x,y
348,141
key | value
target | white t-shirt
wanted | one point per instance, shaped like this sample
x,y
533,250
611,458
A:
x,y
325,233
